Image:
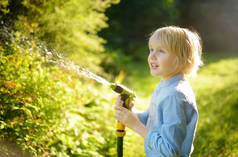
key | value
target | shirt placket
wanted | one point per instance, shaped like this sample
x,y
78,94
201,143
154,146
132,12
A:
x,y
152,109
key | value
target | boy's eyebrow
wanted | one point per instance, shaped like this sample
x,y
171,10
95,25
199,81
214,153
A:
x,y
157,47
151,45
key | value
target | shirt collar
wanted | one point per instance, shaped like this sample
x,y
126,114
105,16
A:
x,y
171,80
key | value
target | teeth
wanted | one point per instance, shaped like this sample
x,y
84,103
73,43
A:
x,y
154,65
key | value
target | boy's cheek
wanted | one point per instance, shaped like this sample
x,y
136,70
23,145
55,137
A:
x,y
165,62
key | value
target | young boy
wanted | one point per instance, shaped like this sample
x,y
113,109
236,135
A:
x,y
169,124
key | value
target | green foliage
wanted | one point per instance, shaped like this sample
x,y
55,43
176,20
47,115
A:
x,y
44,110
49,112
70,27
3,7
115,61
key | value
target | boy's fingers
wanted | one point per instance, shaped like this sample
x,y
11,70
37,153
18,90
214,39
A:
x,y
121,102
131,104
119,97
118,101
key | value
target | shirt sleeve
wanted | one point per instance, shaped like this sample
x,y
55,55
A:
x,y
167,140
143,116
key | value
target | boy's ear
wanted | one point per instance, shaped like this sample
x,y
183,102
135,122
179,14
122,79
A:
x,y
177,65
176,61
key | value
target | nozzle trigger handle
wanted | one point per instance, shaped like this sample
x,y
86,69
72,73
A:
x,y
124,97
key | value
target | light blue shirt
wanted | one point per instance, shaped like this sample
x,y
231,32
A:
x,y
171,118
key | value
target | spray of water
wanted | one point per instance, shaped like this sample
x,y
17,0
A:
x,y
51,57
69,66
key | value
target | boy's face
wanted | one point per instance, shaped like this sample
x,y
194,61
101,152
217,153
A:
x,y
161,62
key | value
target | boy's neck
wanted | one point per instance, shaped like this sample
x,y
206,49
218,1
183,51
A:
x,y
165,78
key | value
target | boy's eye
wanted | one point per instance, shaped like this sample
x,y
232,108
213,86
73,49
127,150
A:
x,y
161,51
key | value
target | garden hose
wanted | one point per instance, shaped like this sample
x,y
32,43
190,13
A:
x,y
127,96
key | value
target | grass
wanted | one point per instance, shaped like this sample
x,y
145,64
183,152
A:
x,y
215,87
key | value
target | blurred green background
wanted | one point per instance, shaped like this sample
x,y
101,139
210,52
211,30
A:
x,y
45,111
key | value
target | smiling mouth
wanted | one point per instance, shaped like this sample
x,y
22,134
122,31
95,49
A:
x,y
154,66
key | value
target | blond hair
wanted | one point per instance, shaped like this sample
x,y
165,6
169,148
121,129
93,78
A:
x,y
185,44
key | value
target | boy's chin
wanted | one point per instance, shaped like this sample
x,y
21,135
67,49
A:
x,y
154,73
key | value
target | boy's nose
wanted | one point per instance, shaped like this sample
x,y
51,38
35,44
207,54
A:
x,y
152,56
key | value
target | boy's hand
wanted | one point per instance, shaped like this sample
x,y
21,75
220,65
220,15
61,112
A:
x,y
120,102
124,115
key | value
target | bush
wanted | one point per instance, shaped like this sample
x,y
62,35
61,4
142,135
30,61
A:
x,y
47,111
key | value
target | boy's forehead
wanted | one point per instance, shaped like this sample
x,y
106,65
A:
x,y
155,43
